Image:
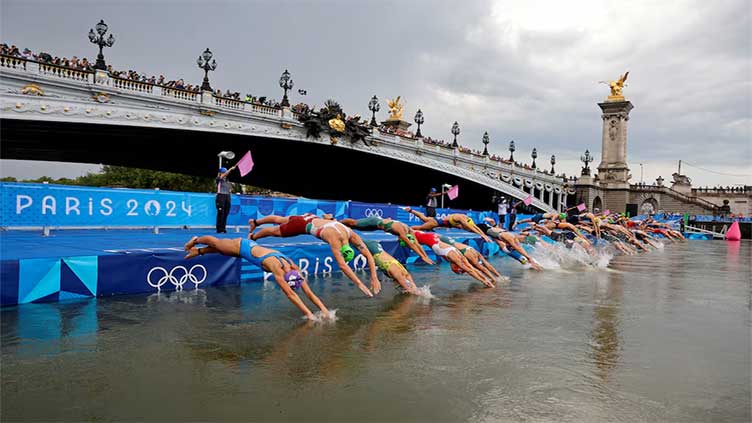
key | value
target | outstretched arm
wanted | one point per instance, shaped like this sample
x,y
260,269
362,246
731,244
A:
x,y
375,283
417,248
292,296
349,272
314,299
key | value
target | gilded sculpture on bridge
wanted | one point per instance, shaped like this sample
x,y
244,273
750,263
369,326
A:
x,y
616,87
395,108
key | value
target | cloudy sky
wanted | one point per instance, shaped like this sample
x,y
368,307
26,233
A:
x,y
524,71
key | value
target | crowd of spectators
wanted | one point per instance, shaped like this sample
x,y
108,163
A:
x,y
462,149
728,189
129,75
72,63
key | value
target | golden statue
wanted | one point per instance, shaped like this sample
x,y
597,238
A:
x,y
337,124
395,109
616,88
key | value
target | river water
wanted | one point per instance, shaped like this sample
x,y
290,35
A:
x,y
663,336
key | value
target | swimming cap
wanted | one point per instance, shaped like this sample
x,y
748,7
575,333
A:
x,y
347,253
410,237
562,216
433,189
294,279
222,169
456,269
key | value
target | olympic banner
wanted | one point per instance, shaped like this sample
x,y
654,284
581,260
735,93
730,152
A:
x,y
360,210
131,273
25,204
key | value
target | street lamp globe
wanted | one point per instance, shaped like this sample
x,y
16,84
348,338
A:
x,y
286,83
455,132
374,107
101,27
419,120
486,140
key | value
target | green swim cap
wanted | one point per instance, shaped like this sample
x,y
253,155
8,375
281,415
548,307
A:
x,y
531,240
411,237
562,216
347,253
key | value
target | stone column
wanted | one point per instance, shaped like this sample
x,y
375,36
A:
x,y
613,170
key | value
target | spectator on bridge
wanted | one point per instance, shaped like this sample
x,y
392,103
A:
x,y
222,200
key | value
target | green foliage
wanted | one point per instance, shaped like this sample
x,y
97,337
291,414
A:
x,y
126,177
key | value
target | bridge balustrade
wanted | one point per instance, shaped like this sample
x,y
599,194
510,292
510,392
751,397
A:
x,y
130,85
228,103
180,94
13,62
64,73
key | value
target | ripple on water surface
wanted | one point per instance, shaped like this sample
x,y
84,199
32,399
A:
x,y
662,336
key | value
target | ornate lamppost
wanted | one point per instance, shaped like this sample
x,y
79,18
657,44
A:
x,y
587,158
455,132
285,82
419,120
101,42
206,63
553,162
374,107
485,142
534,155
511,151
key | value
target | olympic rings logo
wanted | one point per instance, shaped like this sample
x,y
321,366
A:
x,y
185,274
374,212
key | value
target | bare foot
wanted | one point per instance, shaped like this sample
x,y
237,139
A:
x,y
192,252
252,224
191,243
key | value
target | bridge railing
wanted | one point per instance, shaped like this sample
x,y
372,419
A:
x,y
130,85
666,190
478,163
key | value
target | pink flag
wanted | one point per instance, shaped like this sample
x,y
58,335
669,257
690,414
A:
x,y
453,192
581,207
245,164
528,200
606,212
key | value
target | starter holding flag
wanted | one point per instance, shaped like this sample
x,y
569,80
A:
x,y
245,164
453,192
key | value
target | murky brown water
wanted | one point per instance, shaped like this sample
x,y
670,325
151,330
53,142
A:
x,y
663,336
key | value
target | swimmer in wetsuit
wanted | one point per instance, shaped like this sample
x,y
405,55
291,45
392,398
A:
x,y
454,220
473,256
507,240
339,237
391,267
394,227
285,272
457,261
286,226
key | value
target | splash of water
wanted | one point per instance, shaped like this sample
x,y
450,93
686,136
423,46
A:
x,y
319,316
424,291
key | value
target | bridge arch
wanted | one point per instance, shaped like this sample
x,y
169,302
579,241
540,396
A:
x,y
649,206
597,204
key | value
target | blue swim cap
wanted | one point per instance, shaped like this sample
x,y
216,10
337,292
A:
x,y
433,189
222,169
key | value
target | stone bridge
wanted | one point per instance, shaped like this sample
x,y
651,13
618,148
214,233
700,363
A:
x,y
54,113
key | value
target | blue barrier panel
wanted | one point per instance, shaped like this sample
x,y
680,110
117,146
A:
x,y
360,210
25,204
36,205
131,274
